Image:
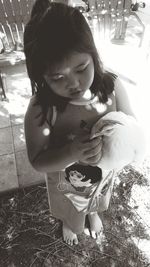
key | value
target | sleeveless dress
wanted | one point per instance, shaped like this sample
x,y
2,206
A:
x,y
70,190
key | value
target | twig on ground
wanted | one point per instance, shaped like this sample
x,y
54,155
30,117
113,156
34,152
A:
x,y
108,255
29,193
51,244
116,237
28,213
33,262
45,234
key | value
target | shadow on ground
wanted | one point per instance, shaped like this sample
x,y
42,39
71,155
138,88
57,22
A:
x,y
29,236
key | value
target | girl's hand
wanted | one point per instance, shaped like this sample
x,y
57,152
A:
x,y
86,150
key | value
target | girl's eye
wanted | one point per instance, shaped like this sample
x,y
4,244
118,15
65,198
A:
x,y
82,69
58,77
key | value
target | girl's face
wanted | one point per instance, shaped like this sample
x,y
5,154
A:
x,y
72,77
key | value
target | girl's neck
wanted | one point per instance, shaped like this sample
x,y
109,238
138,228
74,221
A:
x,y
87,96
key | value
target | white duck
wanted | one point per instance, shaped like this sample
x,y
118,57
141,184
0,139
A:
x,y
123,140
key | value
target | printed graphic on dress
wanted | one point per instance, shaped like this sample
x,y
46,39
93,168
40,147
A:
x,y
82,176
84,126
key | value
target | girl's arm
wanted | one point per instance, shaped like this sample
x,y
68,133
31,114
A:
x,y
41,157
135,130
122,99
47,159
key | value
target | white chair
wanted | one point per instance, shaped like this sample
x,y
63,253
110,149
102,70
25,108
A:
x,y
14,14
110,19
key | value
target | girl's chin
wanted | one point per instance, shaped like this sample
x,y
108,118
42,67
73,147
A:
x,y
77,95
83,95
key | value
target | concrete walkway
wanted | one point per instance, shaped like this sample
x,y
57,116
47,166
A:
x,y
15,169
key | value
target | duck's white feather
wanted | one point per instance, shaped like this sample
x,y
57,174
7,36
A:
x,y
122,145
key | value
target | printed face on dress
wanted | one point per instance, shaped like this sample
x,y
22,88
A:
x,y
72,77
76,179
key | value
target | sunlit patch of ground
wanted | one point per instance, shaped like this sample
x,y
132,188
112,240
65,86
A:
x,y
17,98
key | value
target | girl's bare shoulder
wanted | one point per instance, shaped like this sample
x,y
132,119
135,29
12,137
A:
x,y
33,108
37,134
123,100
35,113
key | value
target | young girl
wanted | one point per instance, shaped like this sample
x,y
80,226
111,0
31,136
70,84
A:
x,y
71,92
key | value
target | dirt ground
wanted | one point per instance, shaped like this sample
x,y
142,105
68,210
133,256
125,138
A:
x,y
29,236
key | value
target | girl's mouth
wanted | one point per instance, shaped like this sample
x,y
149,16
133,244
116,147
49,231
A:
x,y
76,93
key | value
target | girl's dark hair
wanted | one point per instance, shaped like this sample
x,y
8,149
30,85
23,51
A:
x,y
54,31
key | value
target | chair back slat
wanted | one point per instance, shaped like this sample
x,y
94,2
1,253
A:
x,y
106,5
119,18
127,5
5,30
8,10
99,5
17,10
92,5
14,14
4,25
26,7
2,11
30,5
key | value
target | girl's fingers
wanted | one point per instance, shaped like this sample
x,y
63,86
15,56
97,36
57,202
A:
x,y
94,160
93,143
85,138
93,151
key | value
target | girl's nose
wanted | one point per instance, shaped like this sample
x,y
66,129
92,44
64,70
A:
x,y
73,82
